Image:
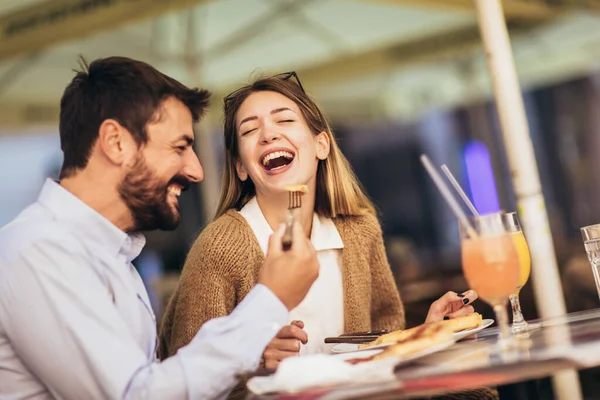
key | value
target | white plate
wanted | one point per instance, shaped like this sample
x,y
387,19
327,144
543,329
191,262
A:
x,y
426,352
366,353
353,347
463,334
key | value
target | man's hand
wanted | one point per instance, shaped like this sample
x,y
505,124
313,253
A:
x,y
451,305
290,274
285,344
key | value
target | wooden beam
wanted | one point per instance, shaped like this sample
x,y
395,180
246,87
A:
x,y
27,117
18,116
55,21
451,44
513,9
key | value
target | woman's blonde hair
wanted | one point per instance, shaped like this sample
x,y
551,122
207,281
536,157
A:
x,y
338,192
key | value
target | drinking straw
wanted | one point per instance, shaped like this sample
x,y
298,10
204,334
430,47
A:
x,y
460,190
447,195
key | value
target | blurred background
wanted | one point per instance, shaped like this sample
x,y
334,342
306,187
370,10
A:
x,y
396,79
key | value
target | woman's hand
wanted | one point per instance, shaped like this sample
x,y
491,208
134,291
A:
x,y
451,305
285,344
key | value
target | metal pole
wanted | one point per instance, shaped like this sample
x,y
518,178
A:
x,y
525,176
203,131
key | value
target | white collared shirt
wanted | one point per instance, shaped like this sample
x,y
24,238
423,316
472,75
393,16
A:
x,y
322,310
76,322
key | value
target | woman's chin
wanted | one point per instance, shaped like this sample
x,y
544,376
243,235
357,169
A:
x,y
276,188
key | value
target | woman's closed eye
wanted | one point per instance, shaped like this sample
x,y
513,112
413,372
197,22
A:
x,y
247,131
286,121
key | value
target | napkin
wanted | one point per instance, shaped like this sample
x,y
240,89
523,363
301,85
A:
x,y
300,373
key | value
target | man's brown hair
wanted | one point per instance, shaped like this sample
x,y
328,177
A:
x,y
128,91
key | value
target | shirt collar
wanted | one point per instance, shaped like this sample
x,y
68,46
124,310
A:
x,y
88,222
324,235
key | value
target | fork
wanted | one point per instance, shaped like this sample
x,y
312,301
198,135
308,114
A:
x,y
295,201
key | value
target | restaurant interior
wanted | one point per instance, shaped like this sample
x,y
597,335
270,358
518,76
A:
x,y
396,79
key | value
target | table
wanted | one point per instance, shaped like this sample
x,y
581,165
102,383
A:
x,y
566,342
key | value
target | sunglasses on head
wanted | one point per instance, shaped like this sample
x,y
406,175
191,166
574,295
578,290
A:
x,y
283,76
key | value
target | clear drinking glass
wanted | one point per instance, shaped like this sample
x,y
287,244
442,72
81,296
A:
x,y
591,241
512,224
491,267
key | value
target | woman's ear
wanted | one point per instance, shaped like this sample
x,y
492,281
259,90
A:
x,y
323,145
241,171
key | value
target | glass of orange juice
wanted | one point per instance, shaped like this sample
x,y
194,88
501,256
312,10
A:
x,y
512,224
491,266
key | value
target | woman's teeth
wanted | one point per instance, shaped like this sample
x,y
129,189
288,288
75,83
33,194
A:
x,y
275,155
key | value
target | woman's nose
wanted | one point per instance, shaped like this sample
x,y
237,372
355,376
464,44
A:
x,y
270,135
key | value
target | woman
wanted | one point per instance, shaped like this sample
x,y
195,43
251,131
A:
x,y
275,136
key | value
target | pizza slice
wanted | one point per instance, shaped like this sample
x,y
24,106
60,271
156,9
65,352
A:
x,y
470,321
421,338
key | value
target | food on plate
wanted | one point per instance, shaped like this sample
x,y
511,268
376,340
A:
x,y
425,337
296,188
392,337
459,324
455,325
421,338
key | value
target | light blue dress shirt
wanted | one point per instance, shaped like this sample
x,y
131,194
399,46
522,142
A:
x,y
76,322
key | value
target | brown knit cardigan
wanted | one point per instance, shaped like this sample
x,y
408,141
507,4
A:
x,y
223,266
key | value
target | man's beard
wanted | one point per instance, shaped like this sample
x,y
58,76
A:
x,y
146,196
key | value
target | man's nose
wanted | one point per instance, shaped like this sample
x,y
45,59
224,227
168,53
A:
x,y
192,168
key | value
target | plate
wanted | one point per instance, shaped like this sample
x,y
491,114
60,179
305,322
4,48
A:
x,y
353,347
426,352
463,334
365,353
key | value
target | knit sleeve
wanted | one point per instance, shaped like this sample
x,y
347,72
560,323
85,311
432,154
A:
x,y
207,287
387,310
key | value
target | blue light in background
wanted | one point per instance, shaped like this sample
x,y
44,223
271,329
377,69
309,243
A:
x,y
481,177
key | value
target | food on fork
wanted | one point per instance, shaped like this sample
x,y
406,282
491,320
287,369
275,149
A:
x,y
295,201
296,188
455,325
421,338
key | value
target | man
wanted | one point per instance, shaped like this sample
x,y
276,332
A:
x,y
75,320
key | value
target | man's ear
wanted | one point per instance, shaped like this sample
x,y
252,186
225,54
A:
x,y
323,145
115,142
241,171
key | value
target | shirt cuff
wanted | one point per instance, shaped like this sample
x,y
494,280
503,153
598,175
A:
x,y
263,298
228,346
262,315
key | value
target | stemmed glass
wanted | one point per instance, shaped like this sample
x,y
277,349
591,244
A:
x,y
491,266
591,241
512,224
